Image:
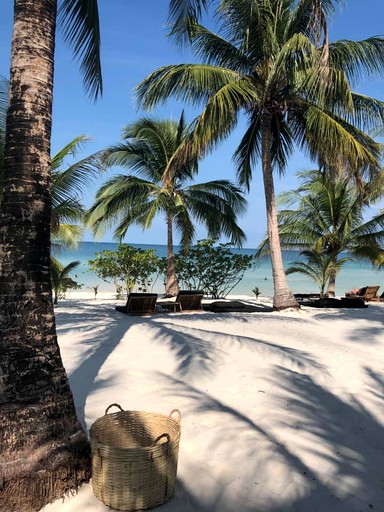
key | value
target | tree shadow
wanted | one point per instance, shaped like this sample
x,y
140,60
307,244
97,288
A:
x,y
371,334
99,332
197,356
326,454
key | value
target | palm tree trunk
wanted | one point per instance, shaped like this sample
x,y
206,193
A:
x,y
283,297
172,286
331,284
44,452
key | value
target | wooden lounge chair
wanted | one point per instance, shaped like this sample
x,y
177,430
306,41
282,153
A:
x,y
368,293
190,300
186,300
139,304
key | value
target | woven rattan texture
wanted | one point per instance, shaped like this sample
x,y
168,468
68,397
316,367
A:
x,y
134,458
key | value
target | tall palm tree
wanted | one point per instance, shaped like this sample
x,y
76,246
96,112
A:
x,y
272,61
336,211
43,447
147,151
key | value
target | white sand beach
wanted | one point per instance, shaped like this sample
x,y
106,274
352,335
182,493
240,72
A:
x,y
281,412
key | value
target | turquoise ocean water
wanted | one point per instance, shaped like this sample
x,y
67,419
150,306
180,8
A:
x,y
353,274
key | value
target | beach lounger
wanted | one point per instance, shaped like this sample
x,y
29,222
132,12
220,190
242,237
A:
x,y
186,300
368,293
234,306
330,302
139,304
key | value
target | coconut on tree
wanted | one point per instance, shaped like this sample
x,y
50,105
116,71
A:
x,y
157,184
271,61
44,450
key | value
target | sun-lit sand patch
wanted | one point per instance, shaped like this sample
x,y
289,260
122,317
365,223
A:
x,y
281,412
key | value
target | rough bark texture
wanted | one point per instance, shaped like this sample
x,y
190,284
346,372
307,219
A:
x,y
172,286
44,453
283,297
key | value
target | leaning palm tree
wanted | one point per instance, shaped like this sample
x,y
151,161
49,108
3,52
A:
x,y
272,61
336,209
44,450
147,151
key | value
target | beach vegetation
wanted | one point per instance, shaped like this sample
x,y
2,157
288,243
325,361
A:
x,y
256,291
337,230
214,268
37,413
157,185
95,289
61,279
128,268
68,184
273,63
319,267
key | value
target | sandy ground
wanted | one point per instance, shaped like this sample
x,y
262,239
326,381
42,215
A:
x,y
281,412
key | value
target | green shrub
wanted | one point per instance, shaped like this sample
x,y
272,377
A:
x,y
214,269
128,268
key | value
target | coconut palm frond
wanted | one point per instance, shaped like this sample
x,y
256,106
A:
x,y
79,22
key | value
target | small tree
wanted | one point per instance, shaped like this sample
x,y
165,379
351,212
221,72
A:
x,y
319,266
214,269
61,280
128,268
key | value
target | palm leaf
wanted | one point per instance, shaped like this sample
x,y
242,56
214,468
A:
x,y
79,21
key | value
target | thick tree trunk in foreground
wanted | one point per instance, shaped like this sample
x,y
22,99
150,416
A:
x,y
44,453
283,297
172,286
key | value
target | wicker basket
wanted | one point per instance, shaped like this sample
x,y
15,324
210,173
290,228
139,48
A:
x,y
134,458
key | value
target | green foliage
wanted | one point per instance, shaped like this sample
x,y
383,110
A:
x,y
61,280
256,291
128,268
319,266
336,209
214,269
95,290
273,62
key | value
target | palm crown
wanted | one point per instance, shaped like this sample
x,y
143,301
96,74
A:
x,y
272,61
148,152
336,209
67,186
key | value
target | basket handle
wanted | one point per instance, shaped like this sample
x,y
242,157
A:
x,y
160,437
113,405
178,419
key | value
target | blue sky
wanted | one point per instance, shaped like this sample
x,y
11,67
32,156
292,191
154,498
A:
x,y
134,44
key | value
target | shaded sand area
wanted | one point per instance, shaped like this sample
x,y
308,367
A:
x,y
281,412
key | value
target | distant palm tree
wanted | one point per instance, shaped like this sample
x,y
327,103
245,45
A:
x,y
272,61
328,218
60,277
147,151
319,267
37,413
